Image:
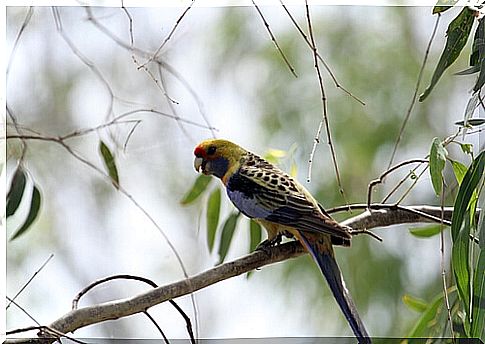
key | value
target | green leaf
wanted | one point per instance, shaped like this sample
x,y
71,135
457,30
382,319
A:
x,y
426,231
478,47
478,311
458,32
197,189
444,5
437,159
427,317
414,303
461,266
255,235
467,148
33,212
226,235
472,122
16,191
469,70
459,170
109,163
465,192
481,77
213,211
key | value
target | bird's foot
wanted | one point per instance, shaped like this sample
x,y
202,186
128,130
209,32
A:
x,y
266,245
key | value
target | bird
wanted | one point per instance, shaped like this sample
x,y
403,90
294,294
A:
x,y
284,207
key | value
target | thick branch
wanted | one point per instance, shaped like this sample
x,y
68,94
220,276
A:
x,y
380,215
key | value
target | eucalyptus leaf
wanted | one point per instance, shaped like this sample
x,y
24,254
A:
x,y
467,188
461,266
437,160
35,203
478,311
426,231
109,163
469,70
199,186
213,211
427,317
414,303
459,170
443,5
457,36
226,235
472,122
17,187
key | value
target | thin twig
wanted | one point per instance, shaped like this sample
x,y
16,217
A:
x,y
380,179
85,290
30,279
12,301
154,322
165,41
325,119
164,64
275,42
43,335
327,67
415,95
83,58
26,21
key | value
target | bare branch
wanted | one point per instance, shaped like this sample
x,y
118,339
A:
x,y
386,216
275,42
388,171
26,21
415,95
30,280
325,119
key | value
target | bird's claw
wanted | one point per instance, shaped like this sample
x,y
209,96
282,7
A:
x,y
266,245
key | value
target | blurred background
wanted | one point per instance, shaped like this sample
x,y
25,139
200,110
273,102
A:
x,y
73,68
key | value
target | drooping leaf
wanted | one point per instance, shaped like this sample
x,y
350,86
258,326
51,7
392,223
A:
x,y
478,312
426,231
458,32
428,316
255,235
461,266
226,235
470,108
16,191
478,47
481,77
467,148
197,189
32,215
472,122
109,163
459,170
477,57
443,5
213,211
437,159
465,192
414,303
469,70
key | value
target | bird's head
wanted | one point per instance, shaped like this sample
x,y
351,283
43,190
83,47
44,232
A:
x,y
217,157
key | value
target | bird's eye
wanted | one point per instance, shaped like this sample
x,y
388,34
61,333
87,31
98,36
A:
x,y
211,150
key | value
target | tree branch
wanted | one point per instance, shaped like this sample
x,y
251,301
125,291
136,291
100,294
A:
x,y
379,215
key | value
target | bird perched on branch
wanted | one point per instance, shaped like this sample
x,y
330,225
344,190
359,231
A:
x,y
263,192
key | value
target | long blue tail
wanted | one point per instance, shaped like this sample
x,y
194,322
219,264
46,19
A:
x,y
328,266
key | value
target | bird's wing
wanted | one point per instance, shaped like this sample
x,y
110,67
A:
x,y
261,190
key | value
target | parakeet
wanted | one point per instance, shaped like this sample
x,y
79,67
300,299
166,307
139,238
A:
x,y
265,193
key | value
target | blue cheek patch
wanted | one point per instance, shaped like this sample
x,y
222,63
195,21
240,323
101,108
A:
x,y
219,167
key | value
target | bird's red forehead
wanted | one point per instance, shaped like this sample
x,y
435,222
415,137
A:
x,y
199,151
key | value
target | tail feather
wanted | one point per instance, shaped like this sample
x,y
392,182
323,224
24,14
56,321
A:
x,y
328,266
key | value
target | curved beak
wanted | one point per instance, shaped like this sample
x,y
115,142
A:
x,y
198,161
